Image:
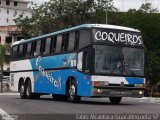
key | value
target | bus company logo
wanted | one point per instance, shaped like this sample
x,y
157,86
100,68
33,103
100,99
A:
x,y
118,37
56,83
69,60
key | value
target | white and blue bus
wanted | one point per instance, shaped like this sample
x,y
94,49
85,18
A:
x,y
90,60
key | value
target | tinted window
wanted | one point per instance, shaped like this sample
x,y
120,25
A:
x,y
14,52
58,44
71,41
43,46
47,46
119,60
88,57
24,49
20,51
28,53
53,44
84,38
38,48
33,48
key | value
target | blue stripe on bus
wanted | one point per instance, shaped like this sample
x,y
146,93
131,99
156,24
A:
x,y
43,85
133,80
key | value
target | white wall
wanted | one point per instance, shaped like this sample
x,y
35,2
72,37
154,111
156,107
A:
x,y
7,18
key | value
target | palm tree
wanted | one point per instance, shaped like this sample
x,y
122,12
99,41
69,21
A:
x,y
4,59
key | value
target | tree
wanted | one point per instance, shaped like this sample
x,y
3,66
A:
x,y
4,59
60,14
147,20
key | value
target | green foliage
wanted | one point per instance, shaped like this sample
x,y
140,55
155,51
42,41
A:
x,y
147,20
60,14
4,59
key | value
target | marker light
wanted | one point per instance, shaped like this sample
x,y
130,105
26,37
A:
x,y
100,83
96,83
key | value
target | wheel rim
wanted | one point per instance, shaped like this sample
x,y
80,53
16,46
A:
x,y
72,91
22,90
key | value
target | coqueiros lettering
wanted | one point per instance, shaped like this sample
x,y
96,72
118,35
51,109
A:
x,y
56,83
118,37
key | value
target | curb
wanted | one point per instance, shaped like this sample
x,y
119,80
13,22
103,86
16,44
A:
x,y
9,93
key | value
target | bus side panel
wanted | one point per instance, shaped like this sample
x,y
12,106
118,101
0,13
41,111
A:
x,y
53,84
47,78
84,85
58,85
20,69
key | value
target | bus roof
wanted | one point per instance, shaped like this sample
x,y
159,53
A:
x,y
75,28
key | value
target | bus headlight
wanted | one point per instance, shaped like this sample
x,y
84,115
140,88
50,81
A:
x,y
99,90
140,92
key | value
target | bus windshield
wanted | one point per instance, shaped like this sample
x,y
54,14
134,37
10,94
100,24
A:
x,y
114,60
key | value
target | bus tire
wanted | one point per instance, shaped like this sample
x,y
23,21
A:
x,y
73,92
115,100
28,90
22,90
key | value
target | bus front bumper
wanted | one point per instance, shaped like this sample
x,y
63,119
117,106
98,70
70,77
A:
x,y
117,92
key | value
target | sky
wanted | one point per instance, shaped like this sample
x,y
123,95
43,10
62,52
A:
x,y
123,5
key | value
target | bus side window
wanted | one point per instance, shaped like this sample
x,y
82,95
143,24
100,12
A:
x,y
63,43
24,49
66,42
84,38
76,40
33,48
71,41
47,46
28,52
59,43
14,52
20,53
53,44
38,48
43,46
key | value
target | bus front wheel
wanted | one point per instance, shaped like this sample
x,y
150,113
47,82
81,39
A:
x,y
73,92
115,100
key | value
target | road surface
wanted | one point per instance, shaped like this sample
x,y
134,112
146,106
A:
x,y
45,108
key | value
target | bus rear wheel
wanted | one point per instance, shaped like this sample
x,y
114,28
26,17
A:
x,y
73,92
22,90
28,90
115,100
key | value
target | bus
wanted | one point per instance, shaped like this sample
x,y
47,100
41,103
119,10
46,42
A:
x,y
89,60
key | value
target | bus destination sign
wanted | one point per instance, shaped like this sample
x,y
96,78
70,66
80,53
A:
x,y
119,37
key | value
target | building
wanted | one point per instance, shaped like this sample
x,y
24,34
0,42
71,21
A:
x,y
9,11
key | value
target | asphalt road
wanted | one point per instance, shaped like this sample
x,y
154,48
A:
x,y
47,109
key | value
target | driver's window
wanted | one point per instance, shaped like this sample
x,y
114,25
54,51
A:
x,y
88,58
